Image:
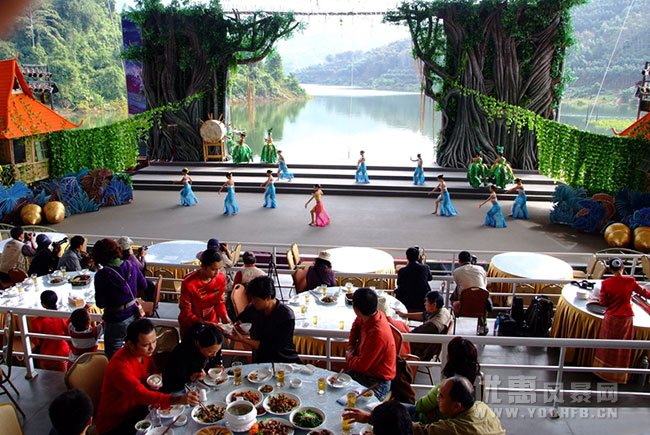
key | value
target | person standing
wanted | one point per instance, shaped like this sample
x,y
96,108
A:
x,y
477,171
443,200
361,175
269,153
413,281
319,216
241,152
418,175
188,198
283,171
519,208
269,193
494,217
230,206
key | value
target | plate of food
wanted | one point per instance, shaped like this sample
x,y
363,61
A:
x,y
328,300
266,389
275,426
249,394
212,413
213,430
259,376
220,380
171,412
339,381
56,280
307,418
80,280
320,432
281,403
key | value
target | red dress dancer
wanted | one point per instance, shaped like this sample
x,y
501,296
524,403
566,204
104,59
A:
x,y
319,216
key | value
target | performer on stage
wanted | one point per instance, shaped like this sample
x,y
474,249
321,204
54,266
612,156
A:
x,y
283,171
477,172
318,214
418,175
501,172
269,194
269,153
187,195
362,174
242,153
519,209
494,217
443,200
230,206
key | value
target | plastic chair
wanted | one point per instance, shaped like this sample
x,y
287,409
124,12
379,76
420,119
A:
x,y
151,308
239,298
9,420
599,270
17,275
645,265
87,375
6,358
471,304
356,282
168,339
290,260
234,255
296,253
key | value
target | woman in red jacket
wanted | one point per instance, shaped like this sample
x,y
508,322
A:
x,y
615,294
203,293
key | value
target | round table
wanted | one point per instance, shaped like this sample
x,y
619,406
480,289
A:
x,y
307,393
361,260
176,252
573,320
525,265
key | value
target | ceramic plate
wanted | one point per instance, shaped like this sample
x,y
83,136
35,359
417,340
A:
x,y
294,418
219,408
219,381
596,308
341,381
255,396
213,430
274,421
271,398
173,412
259,376
328,300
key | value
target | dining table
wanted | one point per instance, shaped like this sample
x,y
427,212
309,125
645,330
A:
x,y
170,260
307,392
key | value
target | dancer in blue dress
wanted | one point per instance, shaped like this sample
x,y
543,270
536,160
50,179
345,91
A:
x,y
230,206
519,208
362,174
269,194
443,200
283,171
494,217
418,175
187,195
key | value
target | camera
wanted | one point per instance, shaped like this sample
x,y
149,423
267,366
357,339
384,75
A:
x,y
57,245
474,259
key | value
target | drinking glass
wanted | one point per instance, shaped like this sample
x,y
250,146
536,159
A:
x,y
323,289
34,278
346,425
307,298
321,385
352,398
341,325
62,269
303,309
236,370
314,320
280,374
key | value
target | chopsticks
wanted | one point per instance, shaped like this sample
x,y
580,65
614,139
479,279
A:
x,y
336,378
171,424
366,390
203,407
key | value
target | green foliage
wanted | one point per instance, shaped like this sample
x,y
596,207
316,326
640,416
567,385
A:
x,y
268,80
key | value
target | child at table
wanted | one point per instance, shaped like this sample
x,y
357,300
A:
x,y
54,326
84,333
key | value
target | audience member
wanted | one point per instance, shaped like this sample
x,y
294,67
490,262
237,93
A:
x,y
83,333
371,355
437,320
54,326
389,418
20,245
250,271
321,273
470,275
71,413
73,256
413,281
126,244
203,293
116,291
46,257
125,396
199,351
272,324
222,249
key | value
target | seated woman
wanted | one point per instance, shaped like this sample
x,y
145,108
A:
x,y
271,334
199,351
250,271
321,272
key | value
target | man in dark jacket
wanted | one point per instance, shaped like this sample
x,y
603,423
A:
x,y
413,281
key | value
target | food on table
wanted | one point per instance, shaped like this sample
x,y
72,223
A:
x,y
143,425
307,418
328,299
80,280
214,431
209,414
266,389
281,404
249,395
253,376
321,432
271,427
57,280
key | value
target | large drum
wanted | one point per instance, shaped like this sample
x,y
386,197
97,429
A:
x,y
213,131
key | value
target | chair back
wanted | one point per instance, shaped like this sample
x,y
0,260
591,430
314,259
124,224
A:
x,y
151,308
599,270
168,338
9,420
17,275
299,278
290,260
239,298
355,281
87,375
234,255
379,283
472,302
296,254
8,343
645,265
397,337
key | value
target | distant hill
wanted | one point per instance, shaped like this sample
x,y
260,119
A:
x,y
389,67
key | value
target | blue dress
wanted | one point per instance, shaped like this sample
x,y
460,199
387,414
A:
x,y
230,203
188,198
362,174
284,171
446,207
418,176
494,217
519,209
269,197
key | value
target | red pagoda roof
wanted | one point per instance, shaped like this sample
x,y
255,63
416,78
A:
x,y
20,113
640,128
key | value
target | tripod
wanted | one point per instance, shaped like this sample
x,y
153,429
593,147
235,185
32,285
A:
x,y
273,274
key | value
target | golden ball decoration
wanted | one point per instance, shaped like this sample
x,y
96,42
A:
x,y
642,239
618,235
31,214
54,212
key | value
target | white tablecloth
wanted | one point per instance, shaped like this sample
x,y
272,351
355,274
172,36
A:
x,y
175,251
361,260
532,265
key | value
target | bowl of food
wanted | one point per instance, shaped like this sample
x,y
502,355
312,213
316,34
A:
x,y
295,383
249,394
154,382
181,420
328,300
307,418
171,412
160,430
348,298
274,426
240,415
220,380
281,403
320,432
266,389
80,280
142,426
210,413
215,372
367,395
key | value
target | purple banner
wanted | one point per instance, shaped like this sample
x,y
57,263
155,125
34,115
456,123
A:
x,y
134,89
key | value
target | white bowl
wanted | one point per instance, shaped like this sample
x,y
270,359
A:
x,y
216,372
295,383
245,327
159,430
240,415
143,425
293,414
266,385
582,294
154,381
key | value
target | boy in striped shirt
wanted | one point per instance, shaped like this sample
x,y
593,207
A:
x,y
84,335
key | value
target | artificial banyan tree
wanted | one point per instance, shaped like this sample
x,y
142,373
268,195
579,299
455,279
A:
x,y
189,49
513,51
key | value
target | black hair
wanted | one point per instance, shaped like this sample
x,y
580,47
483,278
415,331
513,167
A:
x,y
391,418
49,299
316,186
269,172
493,187
261,287
413,253
362,152
435,297
461,391
77,242
205,334
320,263
442,176
365,300
462,359
70,412
420,155
517,180
465,257
210,256
140,326
80,319
248,257
15,232
228,174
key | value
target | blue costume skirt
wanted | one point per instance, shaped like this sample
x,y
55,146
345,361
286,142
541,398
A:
x,y
519,209
362,174
269,197
446,207
230,203
418,176
284,172
494,217
188,197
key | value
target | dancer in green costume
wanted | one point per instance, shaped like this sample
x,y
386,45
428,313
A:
x,y
501,172
477,171
242,153
269,152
